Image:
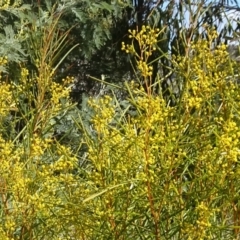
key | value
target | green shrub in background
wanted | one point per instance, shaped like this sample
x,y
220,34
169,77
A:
x,y
150,171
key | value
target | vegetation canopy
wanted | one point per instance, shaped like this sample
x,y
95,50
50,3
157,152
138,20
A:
x,y
135,160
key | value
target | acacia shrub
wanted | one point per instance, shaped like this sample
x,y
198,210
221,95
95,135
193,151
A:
x,y
158,172
169,172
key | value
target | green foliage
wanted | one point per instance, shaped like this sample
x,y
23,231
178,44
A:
x,y
92,23
10,46
10,38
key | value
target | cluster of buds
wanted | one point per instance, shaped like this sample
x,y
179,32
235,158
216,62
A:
x,y
147,40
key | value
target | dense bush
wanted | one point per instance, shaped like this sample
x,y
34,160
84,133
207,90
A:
x,y
149,170
144,167
170,172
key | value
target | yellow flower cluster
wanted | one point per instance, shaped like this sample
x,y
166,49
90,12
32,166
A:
x,y
146,39
3,61
202,226
103,116
31,188
5,4
144,68
229,147
6,99
58,92
205,72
